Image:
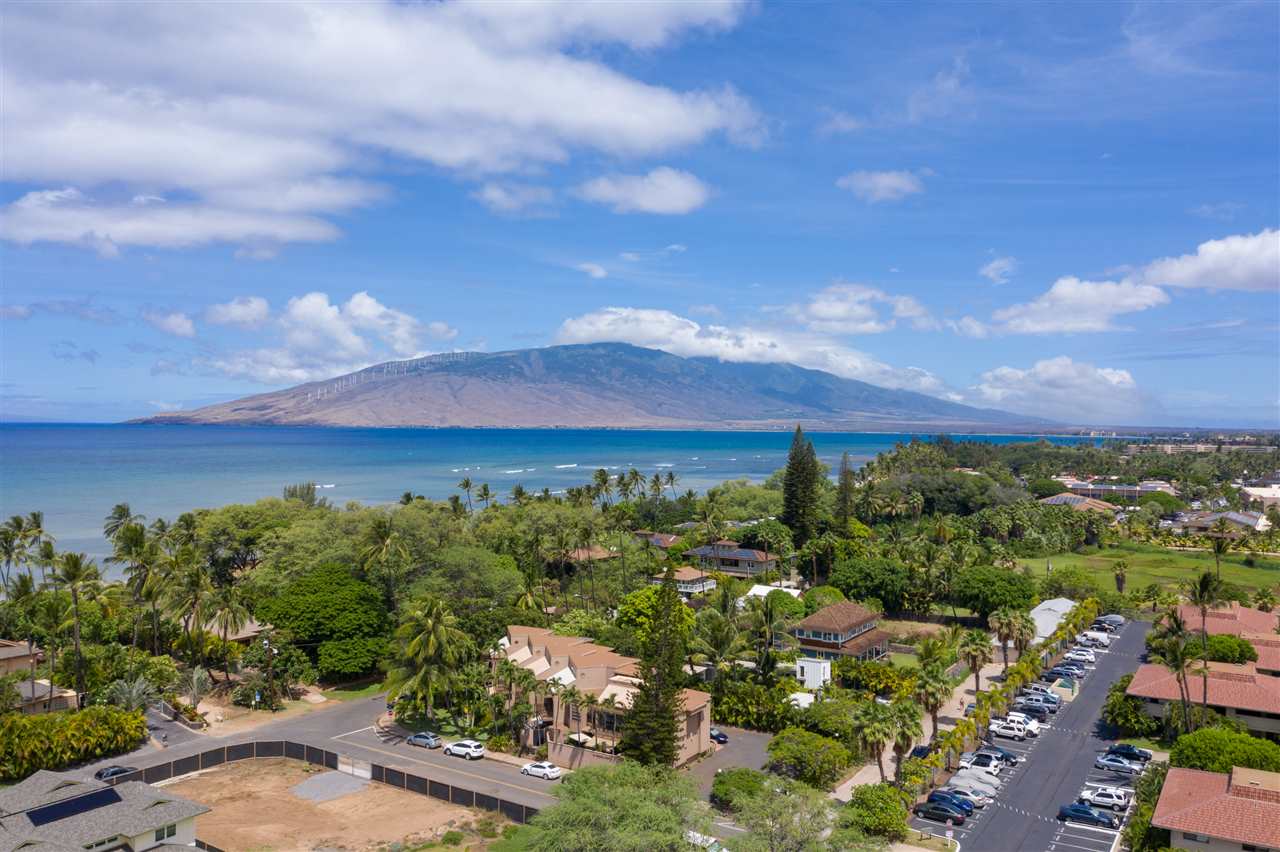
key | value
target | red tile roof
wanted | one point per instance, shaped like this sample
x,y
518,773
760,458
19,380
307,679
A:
x,y
1234,620
1268,647
1243,807
1237,687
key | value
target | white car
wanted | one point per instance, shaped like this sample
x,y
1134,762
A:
x,y
1032,725
975,798
1009,728
470,749
1080,655
986,764
1106,797
542,769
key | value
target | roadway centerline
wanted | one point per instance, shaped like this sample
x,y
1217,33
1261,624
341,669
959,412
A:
x,y
412,759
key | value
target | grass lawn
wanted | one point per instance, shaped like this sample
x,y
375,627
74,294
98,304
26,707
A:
x,y
352,694
514,841
904,660
1151,564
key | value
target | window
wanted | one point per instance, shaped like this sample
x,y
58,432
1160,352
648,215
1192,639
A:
x,y
1249,847
159,834
171,830
1195,838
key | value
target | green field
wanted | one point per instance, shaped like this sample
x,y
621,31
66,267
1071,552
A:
x,y
1150,564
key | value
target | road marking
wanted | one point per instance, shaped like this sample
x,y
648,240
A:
x,y
349,733
542,792
1110,832
1057,842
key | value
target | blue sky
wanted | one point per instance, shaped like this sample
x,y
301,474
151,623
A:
x,y
1068,210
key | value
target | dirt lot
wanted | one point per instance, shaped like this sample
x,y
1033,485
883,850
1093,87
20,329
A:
x,y
255,808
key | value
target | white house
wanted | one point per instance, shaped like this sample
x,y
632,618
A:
x,y
813,673
1049,614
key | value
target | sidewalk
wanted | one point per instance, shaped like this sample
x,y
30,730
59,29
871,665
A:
x,y
951,712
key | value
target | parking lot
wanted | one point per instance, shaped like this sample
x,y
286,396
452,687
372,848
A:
x,y
1059,765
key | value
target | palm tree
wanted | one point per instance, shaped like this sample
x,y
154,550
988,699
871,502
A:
x,y
1001,621
383,547
196,684
716,642
1264,599
10,553
466,486
874,727
186,594
431,646
935,650
1176,654
933,691
1204,593
133,695
230,614
610,706
1221,543
484,495
671,479
51,613
78,574
975,650
1024,632
120,516
907,729
1120,572
766,629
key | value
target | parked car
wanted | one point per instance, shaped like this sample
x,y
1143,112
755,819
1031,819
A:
x,y
983,762
541,769
1029,722
1130,753
1077,812
1103,626
1009,728
1009,757
1106,797
1114,763
922,751
106,773
940,811
1037,712
972,779
1041,689
470,749
969,708
1112,618
978,800
963,804
1098,637
425,739
1059,673
1080,655
719,736
1038,701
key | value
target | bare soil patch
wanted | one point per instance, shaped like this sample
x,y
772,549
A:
x,y
254,808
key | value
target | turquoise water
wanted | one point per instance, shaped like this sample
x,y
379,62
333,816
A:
x,y
76,473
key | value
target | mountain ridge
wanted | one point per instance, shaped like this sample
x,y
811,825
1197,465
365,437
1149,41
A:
x,y
592,385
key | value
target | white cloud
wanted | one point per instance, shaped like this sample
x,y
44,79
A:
x,y
513,197
1240,262
969,327
1062,389
855,309
15,312
675,248
875,187
246,311
1223,211
663,190
838,122
1073,305
320,339
660,329
630,256
259,117
999,270
945,94
176,323
594,270
161,405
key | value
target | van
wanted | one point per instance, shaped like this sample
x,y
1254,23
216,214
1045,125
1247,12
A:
x,y
1098,638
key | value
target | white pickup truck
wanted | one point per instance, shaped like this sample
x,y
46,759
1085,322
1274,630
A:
x,y
1106,797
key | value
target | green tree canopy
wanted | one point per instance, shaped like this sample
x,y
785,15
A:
x,y
985,589
1225,648
639,610
808,757
1218,749
879,810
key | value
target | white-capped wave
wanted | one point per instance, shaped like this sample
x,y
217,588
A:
x,y
563,466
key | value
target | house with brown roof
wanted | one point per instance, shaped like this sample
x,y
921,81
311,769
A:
x,y
17,656
689,581
730,557
1220,811
1233,619
843,629
1082,504
662,541
605,682
39,696
1239,692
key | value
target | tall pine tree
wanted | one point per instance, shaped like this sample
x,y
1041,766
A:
x,y
651,731
800,489
846,493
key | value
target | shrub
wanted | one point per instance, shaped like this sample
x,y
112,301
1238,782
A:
x,y
1218,749
453,837
747,704
1231,649
879,810
808,757
821,596
732,787
57,740
1124,712
879,678
500,742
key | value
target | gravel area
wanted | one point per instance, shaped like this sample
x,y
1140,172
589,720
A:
x,y
329,785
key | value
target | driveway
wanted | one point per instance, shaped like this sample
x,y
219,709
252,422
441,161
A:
x,y
1059,765
744,749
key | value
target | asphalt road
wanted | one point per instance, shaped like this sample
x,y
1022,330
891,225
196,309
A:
x,y
347,728
1058,767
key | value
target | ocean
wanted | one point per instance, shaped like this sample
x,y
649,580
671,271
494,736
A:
x,y
75,473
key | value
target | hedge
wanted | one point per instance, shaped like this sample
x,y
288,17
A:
x,y
58,740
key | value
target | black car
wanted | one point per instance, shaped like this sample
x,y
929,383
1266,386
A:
x,y
1130,752
1008,757
109,772
921,751
1037,713
1082,813
719,736
940,811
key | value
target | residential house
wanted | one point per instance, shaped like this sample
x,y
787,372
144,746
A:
x,y
689,581
1238,692
1268,647
1233,619
760,590
1267,495
17,656
37,696
249,631
662,541
1236,811
577,735
60,812
1047,615
731,558
813,673
593,553
844,629
1199,523
1102,489
1082,504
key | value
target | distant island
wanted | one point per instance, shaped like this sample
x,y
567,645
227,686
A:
x,y
599,385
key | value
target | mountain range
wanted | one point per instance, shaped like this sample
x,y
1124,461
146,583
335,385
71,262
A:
x,y
596,385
